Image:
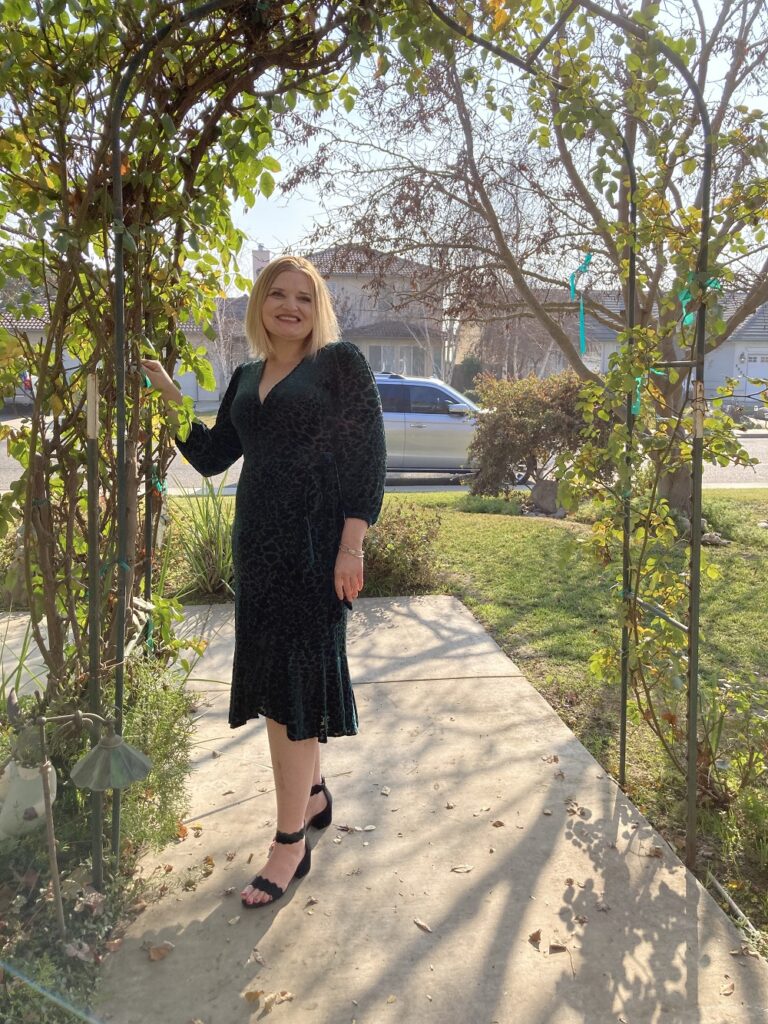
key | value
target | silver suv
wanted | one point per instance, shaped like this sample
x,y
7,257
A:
x,y
429,425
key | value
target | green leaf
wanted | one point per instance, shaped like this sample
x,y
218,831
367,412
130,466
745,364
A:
x,y
266,184
168,126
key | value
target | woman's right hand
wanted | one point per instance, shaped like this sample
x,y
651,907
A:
x,y
160,381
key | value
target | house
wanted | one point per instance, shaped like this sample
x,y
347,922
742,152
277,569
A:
x,y
743,355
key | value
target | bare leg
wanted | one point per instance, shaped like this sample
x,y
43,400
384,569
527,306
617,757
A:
x,y
293,764
317,802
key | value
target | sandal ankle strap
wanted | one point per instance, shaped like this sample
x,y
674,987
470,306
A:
x,y
319,787
290,837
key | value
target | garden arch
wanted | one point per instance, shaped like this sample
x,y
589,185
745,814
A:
x,y
632,601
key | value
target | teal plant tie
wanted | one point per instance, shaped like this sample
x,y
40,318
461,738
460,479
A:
x,y
685,296
639,388
114,561
158,486
573,279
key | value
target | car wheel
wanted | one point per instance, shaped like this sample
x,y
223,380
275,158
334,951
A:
x,y
523,470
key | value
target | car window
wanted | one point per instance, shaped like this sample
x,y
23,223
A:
x,y
392,396
426,399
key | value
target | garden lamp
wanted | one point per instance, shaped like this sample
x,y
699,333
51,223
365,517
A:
x,y
111,764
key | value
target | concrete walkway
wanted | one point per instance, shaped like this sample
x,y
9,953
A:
x,y
498,876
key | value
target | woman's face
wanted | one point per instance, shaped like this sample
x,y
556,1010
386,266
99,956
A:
x,y
288,310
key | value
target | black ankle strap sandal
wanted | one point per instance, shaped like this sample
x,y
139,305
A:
x,y
271,888
323,818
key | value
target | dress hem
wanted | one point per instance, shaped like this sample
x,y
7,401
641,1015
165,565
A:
x,y
322,737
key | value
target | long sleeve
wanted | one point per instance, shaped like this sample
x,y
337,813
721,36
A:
x,y
211,450
361,454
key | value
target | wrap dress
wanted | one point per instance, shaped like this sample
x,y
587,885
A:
x,y
313,454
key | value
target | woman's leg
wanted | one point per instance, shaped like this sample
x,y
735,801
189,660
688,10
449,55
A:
x,y
293,764
318,802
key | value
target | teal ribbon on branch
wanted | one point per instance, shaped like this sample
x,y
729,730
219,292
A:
x,y
159,486
583,269
113,561
685,297
639,388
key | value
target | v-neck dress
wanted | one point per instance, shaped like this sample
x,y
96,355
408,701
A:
x,y
313,453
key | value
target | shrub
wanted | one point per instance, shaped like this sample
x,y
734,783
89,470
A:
x,y
203,533
529,421
157,720
400,556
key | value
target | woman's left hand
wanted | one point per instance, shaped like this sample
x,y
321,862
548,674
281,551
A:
x,y
348,576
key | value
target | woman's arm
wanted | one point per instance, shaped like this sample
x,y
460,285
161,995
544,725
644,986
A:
x,y
211,450
361,459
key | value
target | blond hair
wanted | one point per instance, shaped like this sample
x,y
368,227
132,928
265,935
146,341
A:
x,y
325,327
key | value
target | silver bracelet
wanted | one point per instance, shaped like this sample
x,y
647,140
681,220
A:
x,y
351,551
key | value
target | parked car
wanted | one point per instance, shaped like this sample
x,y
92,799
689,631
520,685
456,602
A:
x,y
429,425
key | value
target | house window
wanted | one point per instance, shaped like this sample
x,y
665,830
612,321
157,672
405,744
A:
x,y
383,358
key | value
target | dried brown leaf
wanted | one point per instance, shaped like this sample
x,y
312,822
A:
x,y
498,823
253,995
231,854
112,945
256,957
161,952
728,987
421,924
461,869
557,947
550,758
391,999
535,938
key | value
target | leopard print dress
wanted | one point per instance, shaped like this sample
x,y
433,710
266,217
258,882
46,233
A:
x,y
313,453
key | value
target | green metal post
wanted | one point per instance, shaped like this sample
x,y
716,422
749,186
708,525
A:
x,y
626,576
94,638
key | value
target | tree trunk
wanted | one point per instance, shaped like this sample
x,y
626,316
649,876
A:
x,y
676,488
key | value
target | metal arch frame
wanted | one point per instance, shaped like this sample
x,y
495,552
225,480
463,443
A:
x,y
691,629
527,65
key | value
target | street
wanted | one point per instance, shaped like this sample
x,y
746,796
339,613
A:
x,y
183,476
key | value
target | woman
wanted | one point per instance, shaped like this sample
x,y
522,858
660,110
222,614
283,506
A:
x,y
306,416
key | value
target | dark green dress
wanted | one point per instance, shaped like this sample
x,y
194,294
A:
x,y
313,453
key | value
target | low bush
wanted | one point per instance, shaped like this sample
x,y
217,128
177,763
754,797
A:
x,y
157,720
400,551
528,421
202,530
